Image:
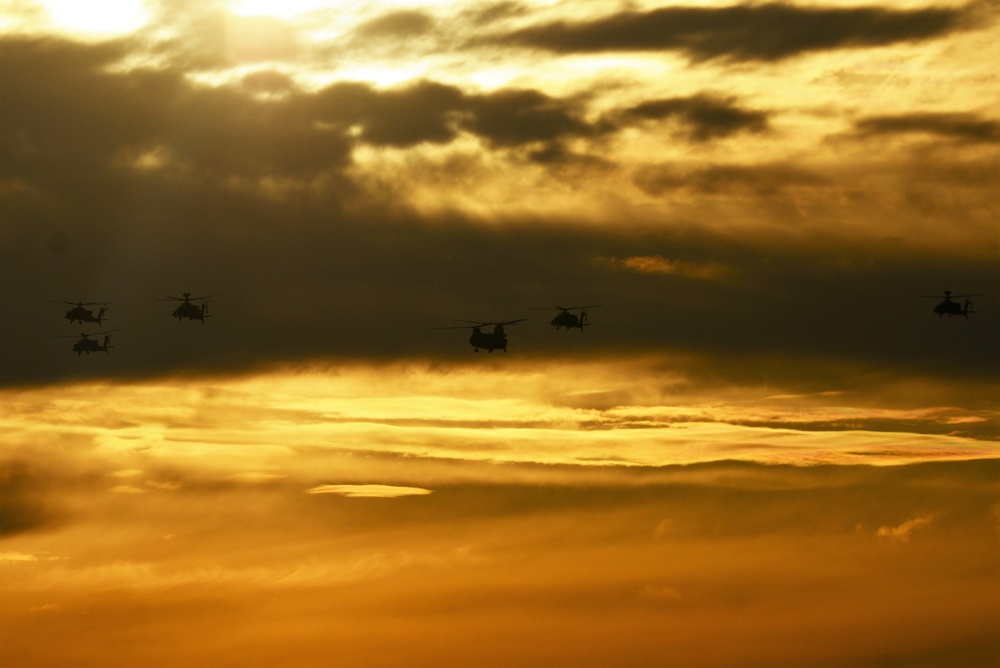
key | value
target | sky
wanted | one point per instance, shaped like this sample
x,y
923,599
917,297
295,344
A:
x,y
764,449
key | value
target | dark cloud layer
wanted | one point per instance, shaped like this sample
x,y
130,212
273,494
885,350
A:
x,y
965,127
23,502
130,186
764,32
707,117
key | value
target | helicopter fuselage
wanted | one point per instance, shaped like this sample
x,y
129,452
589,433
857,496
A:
x,y
88,345
190,311
81,315
567,320
489,341
950,308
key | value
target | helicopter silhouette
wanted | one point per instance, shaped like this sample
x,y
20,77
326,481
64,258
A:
x,y
566,319
188,310
489,341
85,344
949,307
82,315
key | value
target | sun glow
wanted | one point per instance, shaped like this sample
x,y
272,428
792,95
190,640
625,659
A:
x,y
282,9
108,18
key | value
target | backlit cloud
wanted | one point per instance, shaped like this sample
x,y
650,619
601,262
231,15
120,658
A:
x,y
762,32
368,491
751,432
656,264
904,530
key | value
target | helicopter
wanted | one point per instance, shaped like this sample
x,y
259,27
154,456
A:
x,y
85,344
949,307
188,310
80,314
566,319
497,340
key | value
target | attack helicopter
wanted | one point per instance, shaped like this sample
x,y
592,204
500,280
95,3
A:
x,y
85,344
949,307
489,341
188,310
80,314
566,319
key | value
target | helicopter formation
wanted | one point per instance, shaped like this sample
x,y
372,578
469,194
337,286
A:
x,y
84,344
195,308
497,338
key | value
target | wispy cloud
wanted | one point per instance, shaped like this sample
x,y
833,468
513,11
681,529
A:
x,y
657,264
903,531
369,491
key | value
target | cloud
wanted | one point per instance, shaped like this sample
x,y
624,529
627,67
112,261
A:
x,y
903,531
23,505
763,180
656,264
395,25
747,32
514,117
257,477
704,116
348,220
127,489
965,127
12,557
369,491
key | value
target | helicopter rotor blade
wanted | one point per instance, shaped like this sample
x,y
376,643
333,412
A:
x,y
951,296
479,323
84,335
185,299
565,308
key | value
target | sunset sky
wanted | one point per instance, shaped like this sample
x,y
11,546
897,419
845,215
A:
x,y
766,449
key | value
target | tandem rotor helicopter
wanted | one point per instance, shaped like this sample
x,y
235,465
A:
x,y
80,314
566,319
188,310
949,307
85,344
489,341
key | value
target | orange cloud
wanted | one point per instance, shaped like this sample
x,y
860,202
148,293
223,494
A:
x,y
903,531
657,264
368,491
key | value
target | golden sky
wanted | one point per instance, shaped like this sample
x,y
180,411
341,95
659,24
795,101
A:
x,y
765,448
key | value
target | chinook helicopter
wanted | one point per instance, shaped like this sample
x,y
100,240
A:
x,y
85,344
188,310
949,307
497,340
81,315
566,319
